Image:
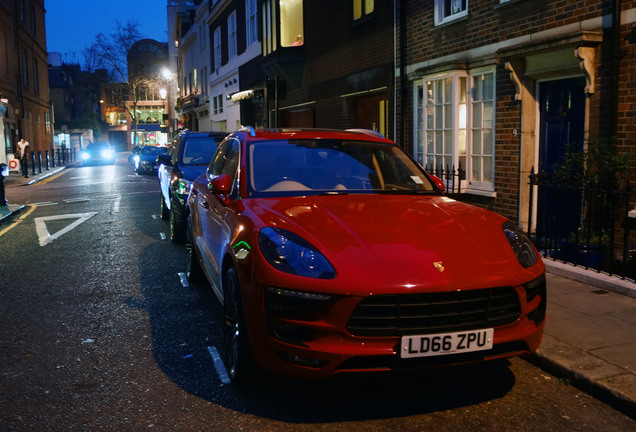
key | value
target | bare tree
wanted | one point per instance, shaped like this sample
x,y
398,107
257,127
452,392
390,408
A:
x,y
111,53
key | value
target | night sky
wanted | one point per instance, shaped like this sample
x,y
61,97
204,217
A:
x,y
71,25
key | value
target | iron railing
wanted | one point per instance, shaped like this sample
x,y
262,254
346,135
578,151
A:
x,y
450,176
587,226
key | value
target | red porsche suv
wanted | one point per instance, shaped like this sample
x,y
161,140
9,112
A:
x,y
334,251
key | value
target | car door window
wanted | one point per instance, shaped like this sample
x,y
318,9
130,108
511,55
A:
x,y
226,161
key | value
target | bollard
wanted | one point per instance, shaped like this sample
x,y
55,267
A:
x,y
33,163
24,165
4,172
39,162
48,162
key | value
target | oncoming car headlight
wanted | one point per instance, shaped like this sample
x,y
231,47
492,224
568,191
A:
x,y
290,253
85,155
521,244
107,153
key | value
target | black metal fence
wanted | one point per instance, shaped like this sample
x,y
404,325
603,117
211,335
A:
x,y
584,226
35,162
450,176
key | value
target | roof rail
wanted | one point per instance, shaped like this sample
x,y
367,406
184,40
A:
x,y
248,129
367,132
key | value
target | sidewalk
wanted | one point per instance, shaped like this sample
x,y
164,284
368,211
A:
x,y
16,179
590,333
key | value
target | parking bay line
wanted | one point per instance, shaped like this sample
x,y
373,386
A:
x,y
218,365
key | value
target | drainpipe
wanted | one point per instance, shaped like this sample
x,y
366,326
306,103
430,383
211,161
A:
x,y
614,71
403,77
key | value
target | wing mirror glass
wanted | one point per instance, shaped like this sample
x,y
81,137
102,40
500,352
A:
x,y
439,183
221,185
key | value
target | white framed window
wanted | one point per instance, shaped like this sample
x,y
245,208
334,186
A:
x,y
449,10
231,35
251,25
217,47
217,104
454,126
482,129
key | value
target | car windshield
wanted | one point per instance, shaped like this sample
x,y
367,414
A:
x,y
96,146
324,166
150,150
199,150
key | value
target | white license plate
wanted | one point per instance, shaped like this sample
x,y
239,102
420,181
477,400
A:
x,y
446,343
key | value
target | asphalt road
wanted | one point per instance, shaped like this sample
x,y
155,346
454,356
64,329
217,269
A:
x,y
98,331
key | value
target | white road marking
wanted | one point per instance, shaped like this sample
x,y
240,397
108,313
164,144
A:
x,y
74,200
116,205
163,236
184,280
43,233
218,365
45,203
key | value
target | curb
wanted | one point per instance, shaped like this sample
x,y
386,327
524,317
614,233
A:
x,y
601,391
590,374
7,211
591,277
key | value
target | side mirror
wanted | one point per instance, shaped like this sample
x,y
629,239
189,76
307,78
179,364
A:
x,y
439,183
164,159
221,185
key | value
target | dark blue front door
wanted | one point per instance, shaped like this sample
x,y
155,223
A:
x,y
562,128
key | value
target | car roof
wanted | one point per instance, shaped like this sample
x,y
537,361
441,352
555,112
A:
x,y
313,133
206,134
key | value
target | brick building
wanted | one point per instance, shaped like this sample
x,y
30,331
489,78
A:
x,y
24,87
501,86
334,63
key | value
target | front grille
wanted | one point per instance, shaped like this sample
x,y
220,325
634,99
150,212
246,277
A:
x,y
422,313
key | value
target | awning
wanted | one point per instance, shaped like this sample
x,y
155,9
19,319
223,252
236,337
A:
x,y
155,127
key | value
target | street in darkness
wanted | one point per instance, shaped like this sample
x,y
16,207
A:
x,y
101,332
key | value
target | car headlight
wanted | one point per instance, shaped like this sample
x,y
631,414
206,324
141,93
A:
x,y
107,153
136,159
521,244
182,186
85,155
290,253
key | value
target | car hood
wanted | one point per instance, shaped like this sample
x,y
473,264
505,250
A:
x,y
386,241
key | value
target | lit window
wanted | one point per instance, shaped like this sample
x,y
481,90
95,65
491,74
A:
x,y
448,10
455,123
362,8
269,27
291,23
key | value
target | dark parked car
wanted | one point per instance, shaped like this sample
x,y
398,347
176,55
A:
x,y
334,251
134,152
186,158
146,161
98,153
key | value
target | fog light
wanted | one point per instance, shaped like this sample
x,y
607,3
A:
x,y
302,360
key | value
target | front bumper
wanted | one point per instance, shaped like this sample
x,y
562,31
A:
x,y
315,338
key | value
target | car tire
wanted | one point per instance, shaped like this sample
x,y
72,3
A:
x,y
163,208
194,272
236,350
177,222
